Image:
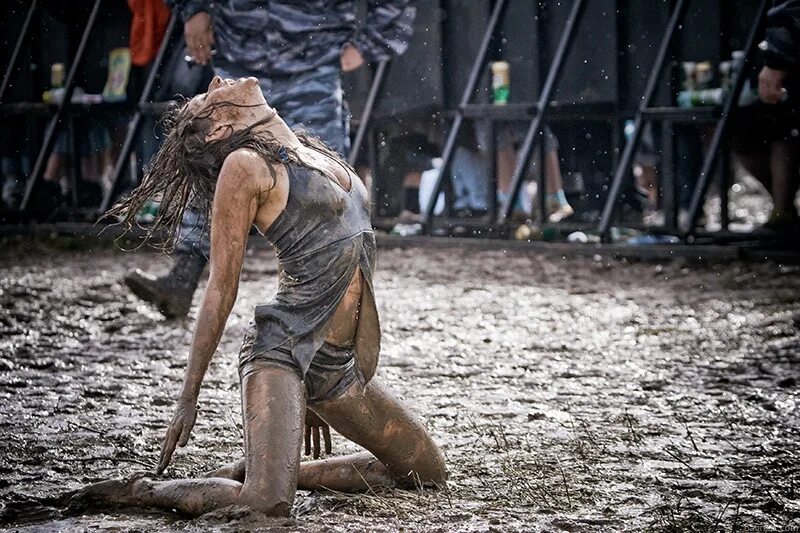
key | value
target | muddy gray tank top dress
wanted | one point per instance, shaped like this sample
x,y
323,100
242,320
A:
x,y
323,235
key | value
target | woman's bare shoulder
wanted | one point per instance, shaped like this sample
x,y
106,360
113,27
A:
x,y
244,160
247,167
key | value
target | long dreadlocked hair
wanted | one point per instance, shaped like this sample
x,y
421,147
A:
x,y
184,172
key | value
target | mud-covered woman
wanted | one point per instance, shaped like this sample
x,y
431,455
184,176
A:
x,y
315,345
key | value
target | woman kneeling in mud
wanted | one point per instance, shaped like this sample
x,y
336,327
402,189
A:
x,y
316,344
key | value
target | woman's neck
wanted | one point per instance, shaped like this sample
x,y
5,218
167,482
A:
x,y
282,133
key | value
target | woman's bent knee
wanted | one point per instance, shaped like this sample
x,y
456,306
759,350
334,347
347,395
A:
x,y
429,468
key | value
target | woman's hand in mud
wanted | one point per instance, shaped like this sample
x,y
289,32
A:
x,y
313,424
178,432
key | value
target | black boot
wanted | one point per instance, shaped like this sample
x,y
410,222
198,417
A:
x,y
171,293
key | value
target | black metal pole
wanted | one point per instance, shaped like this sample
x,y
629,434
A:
x,y
372,157
69,86
136,121
668,185
553,75
710,161
725,185
366,115
17,48
73,134
541,184
492,150
544,67
452,136
623,167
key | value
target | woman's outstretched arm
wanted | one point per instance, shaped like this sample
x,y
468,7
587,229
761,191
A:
x,y
234,209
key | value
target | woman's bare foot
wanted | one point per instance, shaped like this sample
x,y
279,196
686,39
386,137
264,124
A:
x,y
105,494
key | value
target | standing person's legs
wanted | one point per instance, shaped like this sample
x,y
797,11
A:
x,y
785,169
768,151
558,207
172,293
508,141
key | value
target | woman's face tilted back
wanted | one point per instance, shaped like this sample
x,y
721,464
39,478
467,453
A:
x,y
246,106
233,114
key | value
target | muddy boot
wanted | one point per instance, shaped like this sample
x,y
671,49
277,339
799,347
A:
x,y
171,293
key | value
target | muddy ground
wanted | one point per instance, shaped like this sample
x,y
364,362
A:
x,y
567,394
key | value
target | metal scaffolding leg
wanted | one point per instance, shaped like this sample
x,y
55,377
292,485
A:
x,y
69,86
668,183
623,167
534,130
452,136
366,115
710,161
136,121
17,48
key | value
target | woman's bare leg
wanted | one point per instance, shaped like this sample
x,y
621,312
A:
x,y
273,404
784,165
552,172
400,448
348,473
757,164
376,420
273,434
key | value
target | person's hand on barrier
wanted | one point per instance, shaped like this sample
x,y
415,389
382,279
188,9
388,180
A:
x,y
178,432
770,85
350,58
199,34
313,425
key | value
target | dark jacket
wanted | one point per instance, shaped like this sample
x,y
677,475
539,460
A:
x,y
783,35
290,36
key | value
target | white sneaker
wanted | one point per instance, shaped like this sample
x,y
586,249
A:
x,y
559,212
653,218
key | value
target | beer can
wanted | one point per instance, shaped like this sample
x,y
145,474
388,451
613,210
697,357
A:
x,y
701,97
57,75
687,72
725,74
501,79
704,75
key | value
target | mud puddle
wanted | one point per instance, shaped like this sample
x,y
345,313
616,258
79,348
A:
x,y
567,394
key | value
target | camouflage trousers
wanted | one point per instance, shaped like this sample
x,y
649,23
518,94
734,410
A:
x,y
311,100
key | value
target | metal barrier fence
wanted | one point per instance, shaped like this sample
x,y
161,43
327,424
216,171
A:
x,y
497,222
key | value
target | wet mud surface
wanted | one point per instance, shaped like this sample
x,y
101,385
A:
x,y
567,394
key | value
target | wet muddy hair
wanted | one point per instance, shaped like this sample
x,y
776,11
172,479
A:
x,y
184,172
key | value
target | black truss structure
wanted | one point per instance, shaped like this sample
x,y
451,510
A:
x,y
23,34
534,114
455,127
135,124
144,106
670,115
55,120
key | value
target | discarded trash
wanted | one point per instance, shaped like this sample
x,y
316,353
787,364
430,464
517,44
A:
x,y
653,239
